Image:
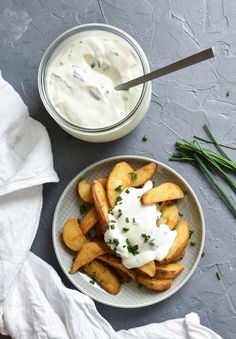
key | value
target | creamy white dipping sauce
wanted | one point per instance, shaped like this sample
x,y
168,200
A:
x,y
82,76
133,232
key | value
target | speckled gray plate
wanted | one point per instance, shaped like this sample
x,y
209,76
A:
x,y
130,295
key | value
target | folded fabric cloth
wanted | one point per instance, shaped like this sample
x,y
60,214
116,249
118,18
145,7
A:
x,y
33,301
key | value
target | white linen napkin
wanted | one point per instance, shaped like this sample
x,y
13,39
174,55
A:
x,y
33,301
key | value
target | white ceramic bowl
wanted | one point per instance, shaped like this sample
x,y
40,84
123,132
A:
x,y
130,295
105,134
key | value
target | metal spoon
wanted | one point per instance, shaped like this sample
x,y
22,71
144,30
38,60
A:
x,y
191,60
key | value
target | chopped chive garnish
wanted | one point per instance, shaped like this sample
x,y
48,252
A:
x,y
218,275
118,200
192,243
92,282
145,237
133,175
110,211
83,208
125,229
112,227
119,213
203,254
127,219
227,93
145,138
133,249
127,191
180,214
133,220
124,246
190,233
118,188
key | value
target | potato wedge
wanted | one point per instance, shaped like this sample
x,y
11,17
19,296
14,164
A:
x,y
148,269
104,276
180,256
118,180
143,174
101,204
170,216
89,220
89,251
103,181
123,276
116,263
181,241
72,235
153,283
163,192
84,191
169,271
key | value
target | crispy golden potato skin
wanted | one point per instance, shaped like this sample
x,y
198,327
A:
x,y
169,271
89,220
101,204
148,269
72,235
181,241
143,174
116,263
164,192
153,283
89,251
84,191
104,276
118,177
170,215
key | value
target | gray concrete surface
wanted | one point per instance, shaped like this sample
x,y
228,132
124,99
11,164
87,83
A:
x,y
167,30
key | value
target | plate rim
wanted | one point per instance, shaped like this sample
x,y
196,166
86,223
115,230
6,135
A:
x,y
101,162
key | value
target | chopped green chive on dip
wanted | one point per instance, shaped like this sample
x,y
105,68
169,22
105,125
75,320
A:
x,y
83,208
112,227
203,254
145,138
180,214
118,199
192,243
133,249
190,233
133,175
92,282
118,188
145,237
127,191
227,93
134,220
119,213
127,219
218,275
125,229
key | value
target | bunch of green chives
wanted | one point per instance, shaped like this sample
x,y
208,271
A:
x,y
207,160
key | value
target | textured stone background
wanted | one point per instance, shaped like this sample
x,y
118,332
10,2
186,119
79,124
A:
x,y
167,30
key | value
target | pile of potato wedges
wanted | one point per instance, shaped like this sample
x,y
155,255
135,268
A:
x,y
93,257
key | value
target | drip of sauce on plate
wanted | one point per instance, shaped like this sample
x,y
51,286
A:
x,y
133,232
82,76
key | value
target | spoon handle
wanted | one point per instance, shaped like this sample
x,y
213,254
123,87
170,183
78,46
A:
x,y
191,60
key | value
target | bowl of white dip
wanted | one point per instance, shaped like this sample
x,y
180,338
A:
x,y
77,76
